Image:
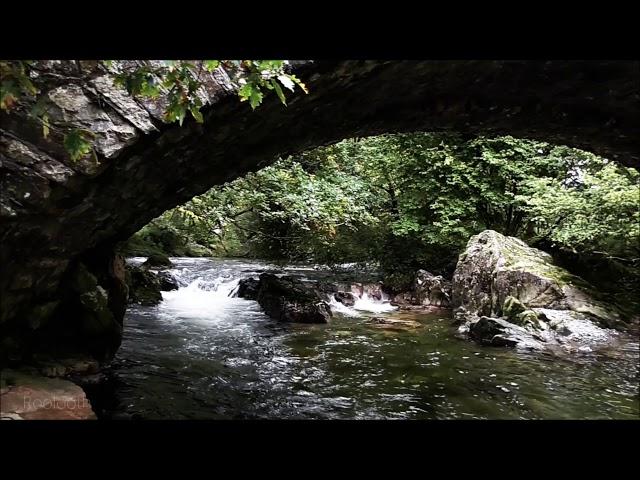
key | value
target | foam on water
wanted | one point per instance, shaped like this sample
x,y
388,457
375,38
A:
x,y
200,299
369,304
364,304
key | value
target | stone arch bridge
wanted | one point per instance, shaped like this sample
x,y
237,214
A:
x,y
59,219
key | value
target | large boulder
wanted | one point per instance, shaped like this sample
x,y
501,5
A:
x,y
144,286
494,267
290,300
248,288
96,312
499,276
157,261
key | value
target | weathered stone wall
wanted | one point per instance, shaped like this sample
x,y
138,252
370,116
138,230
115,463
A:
x,y
54,213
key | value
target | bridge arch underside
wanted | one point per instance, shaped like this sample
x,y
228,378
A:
x,y
56,214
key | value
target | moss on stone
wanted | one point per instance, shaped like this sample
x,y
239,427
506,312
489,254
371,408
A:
x,y
527,318
512,307
158,260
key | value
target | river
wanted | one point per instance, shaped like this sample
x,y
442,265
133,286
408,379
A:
x,y
202,354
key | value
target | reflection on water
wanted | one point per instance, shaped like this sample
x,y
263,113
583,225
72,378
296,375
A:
x,y
201,354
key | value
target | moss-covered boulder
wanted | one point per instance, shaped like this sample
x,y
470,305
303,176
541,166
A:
x,y
144,286
197,250
527,318
93,313
157,261
494,267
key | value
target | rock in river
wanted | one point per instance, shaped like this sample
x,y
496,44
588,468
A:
x,y
144,286
289,299
157,260
167,281
346,298
393,323
498,276
248,288
429,289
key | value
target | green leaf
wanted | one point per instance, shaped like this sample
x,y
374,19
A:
x,y
197,114
211,65
279,91
77,144
299,83
45,125
272,65
256,98
245,92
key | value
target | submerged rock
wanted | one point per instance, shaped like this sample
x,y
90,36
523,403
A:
x,y
502,276
393,323
290,300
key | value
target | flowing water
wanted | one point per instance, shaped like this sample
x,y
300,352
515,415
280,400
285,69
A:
x,y
202,354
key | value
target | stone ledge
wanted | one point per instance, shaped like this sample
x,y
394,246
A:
x,y
24,396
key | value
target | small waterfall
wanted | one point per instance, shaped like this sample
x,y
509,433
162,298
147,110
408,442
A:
x,y
370,304
201,298
363,303
204,296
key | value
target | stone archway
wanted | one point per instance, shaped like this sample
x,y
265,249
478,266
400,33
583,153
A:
x,y
55,213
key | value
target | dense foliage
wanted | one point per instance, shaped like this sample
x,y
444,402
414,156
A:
x,y
413,200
